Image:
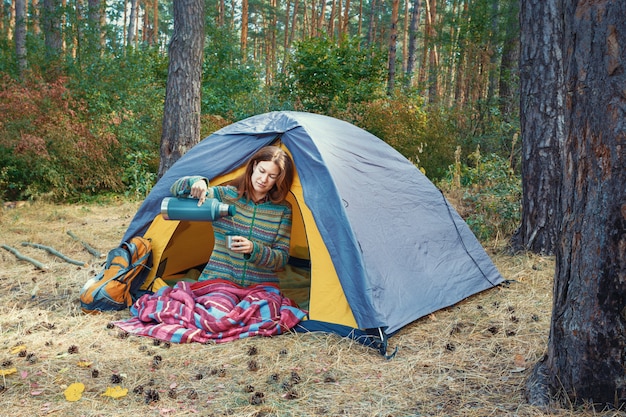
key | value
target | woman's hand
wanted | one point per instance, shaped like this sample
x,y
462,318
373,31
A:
x,y
198,190
240,244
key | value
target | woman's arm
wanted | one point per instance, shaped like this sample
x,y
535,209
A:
x,y
275,256
182,187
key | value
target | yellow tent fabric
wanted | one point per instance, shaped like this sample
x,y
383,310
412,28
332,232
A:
x,y
179,246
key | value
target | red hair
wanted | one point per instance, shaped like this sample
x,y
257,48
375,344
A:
x,y
281,188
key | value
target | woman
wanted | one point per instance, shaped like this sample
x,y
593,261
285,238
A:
x,y
260,230
237,294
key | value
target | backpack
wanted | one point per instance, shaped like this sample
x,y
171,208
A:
x,y
116,287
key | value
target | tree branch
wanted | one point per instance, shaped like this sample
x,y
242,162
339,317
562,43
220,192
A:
x,y
18,255
91,250
56,253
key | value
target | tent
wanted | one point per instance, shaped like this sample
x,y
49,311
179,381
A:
x,y
375,245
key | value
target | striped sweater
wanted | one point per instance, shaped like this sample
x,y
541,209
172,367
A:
x,y
266,224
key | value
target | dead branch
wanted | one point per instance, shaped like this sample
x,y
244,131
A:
x,y
19,256
56,253
89,249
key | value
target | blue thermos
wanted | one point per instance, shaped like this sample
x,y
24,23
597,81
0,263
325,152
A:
x,y
176,208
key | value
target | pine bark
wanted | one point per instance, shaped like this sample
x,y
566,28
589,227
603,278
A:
x,y
181,116
586,357
244,30
52,29
20,35
541,122
415,18
393,42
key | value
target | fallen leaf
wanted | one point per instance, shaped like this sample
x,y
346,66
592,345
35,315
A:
x,y
10,371
519,361
115,392
74,392
84,364
17,349
24,374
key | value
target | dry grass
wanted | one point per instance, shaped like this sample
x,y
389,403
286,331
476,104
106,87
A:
x,y
468,360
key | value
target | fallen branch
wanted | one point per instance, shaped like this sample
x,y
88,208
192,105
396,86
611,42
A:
x,y
56,253
91,250
18,255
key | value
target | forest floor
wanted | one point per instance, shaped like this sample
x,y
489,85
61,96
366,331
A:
x,y
471,359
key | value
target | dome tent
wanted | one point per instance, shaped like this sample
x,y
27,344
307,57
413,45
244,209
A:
x,y
378,243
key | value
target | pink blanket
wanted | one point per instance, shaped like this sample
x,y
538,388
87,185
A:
x,y
215,310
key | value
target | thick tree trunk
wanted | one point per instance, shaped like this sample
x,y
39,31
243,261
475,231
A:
x,y
586,354
541,121
181,116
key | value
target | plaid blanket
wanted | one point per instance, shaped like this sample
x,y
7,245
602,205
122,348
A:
x,y
213,310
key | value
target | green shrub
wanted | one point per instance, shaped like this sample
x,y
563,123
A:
x,y
324,75
487,194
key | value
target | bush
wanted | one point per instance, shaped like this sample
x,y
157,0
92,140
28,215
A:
x,y
488,195
324,76
48,146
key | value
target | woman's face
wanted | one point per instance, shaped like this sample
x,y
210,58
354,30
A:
x,y
264,177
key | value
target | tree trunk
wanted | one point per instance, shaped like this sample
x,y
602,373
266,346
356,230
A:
x,y
346,19
586,356
52,29
20,35
393,41
509,62
433,58
294,22
11,20
181,116
286,37
35,21
415,19
94,13
494,57
541,122
132,22
155,22
371,29
244,30
331,19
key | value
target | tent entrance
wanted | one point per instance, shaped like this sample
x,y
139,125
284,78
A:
x,y
181,249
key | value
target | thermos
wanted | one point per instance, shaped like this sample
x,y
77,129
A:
x,y
176,208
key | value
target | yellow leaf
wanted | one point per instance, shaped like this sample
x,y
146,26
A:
x,y
17,349
10,371
115,392
84,364
74,392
